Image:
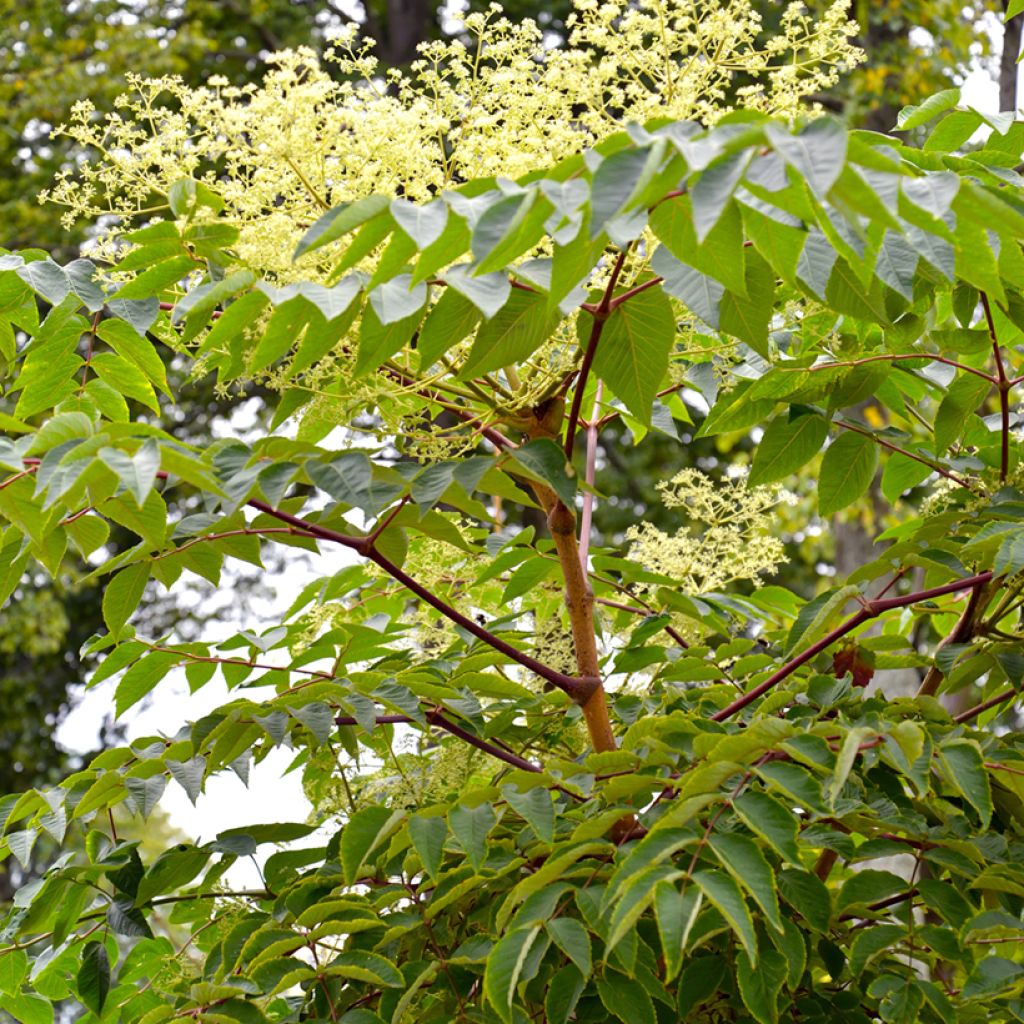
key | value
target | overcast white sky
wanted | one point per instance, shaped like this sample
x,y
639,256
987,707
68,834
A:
x,y
271,796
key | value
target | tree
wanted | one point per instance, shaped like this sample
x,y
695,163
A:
x,y
560,781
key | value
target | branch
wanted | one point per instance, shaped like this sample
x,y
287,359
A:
x,y
910,455
999,698
435,717
891,358
578,688
600,314
1004,385
870,610
636,290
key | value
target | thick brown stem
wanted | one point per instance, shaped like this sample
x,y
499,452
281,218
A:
x,y
579,599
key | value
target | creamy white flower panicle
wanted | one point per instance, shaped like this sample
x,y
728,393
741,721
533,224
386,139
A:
x,y
496,101
728,537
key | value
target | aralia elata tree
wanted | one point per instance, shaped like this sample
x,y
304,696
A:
x,y
559,781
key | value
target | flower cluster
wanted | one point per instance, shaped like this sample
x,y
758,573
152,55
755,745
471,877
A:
x,y
727,540
495,102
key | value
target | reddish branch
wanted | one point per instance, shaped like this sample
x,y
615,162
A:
x,y
600,314
870,610
577,688
435,717
908,454
580,689
992,702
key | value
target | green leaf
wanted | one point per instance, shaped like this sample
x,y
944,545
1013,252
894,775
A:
x,y
189,775
786,446
124,919
428,835
702,295
962,398
772,821
625,999
93,980
725,895
451,319
488,292
338,222
563,993
545,460
965,768
676,914
536,808
748,318
900,999
915,116
145,794
283,330
369,967
713,190
122,596
761,983
900,475
398,299
173,869
186,197
141,678
362,834
740,856
157,279
504,966
617,179
1010,556
808,896
125,378
869,886
720,257
817,153
633,351
137,472
1013,8
55,283
846,472
573,940
424,224
872,941
471,826
129,345
13,970
379,342
519,328
28,1009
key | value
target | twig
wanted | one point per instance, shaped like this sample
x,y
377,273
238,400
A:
x,y
978,709
435,717
600,314
910,455
870,610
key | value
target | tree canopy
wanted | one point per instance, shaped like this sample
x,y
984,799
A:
x,y
556,775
